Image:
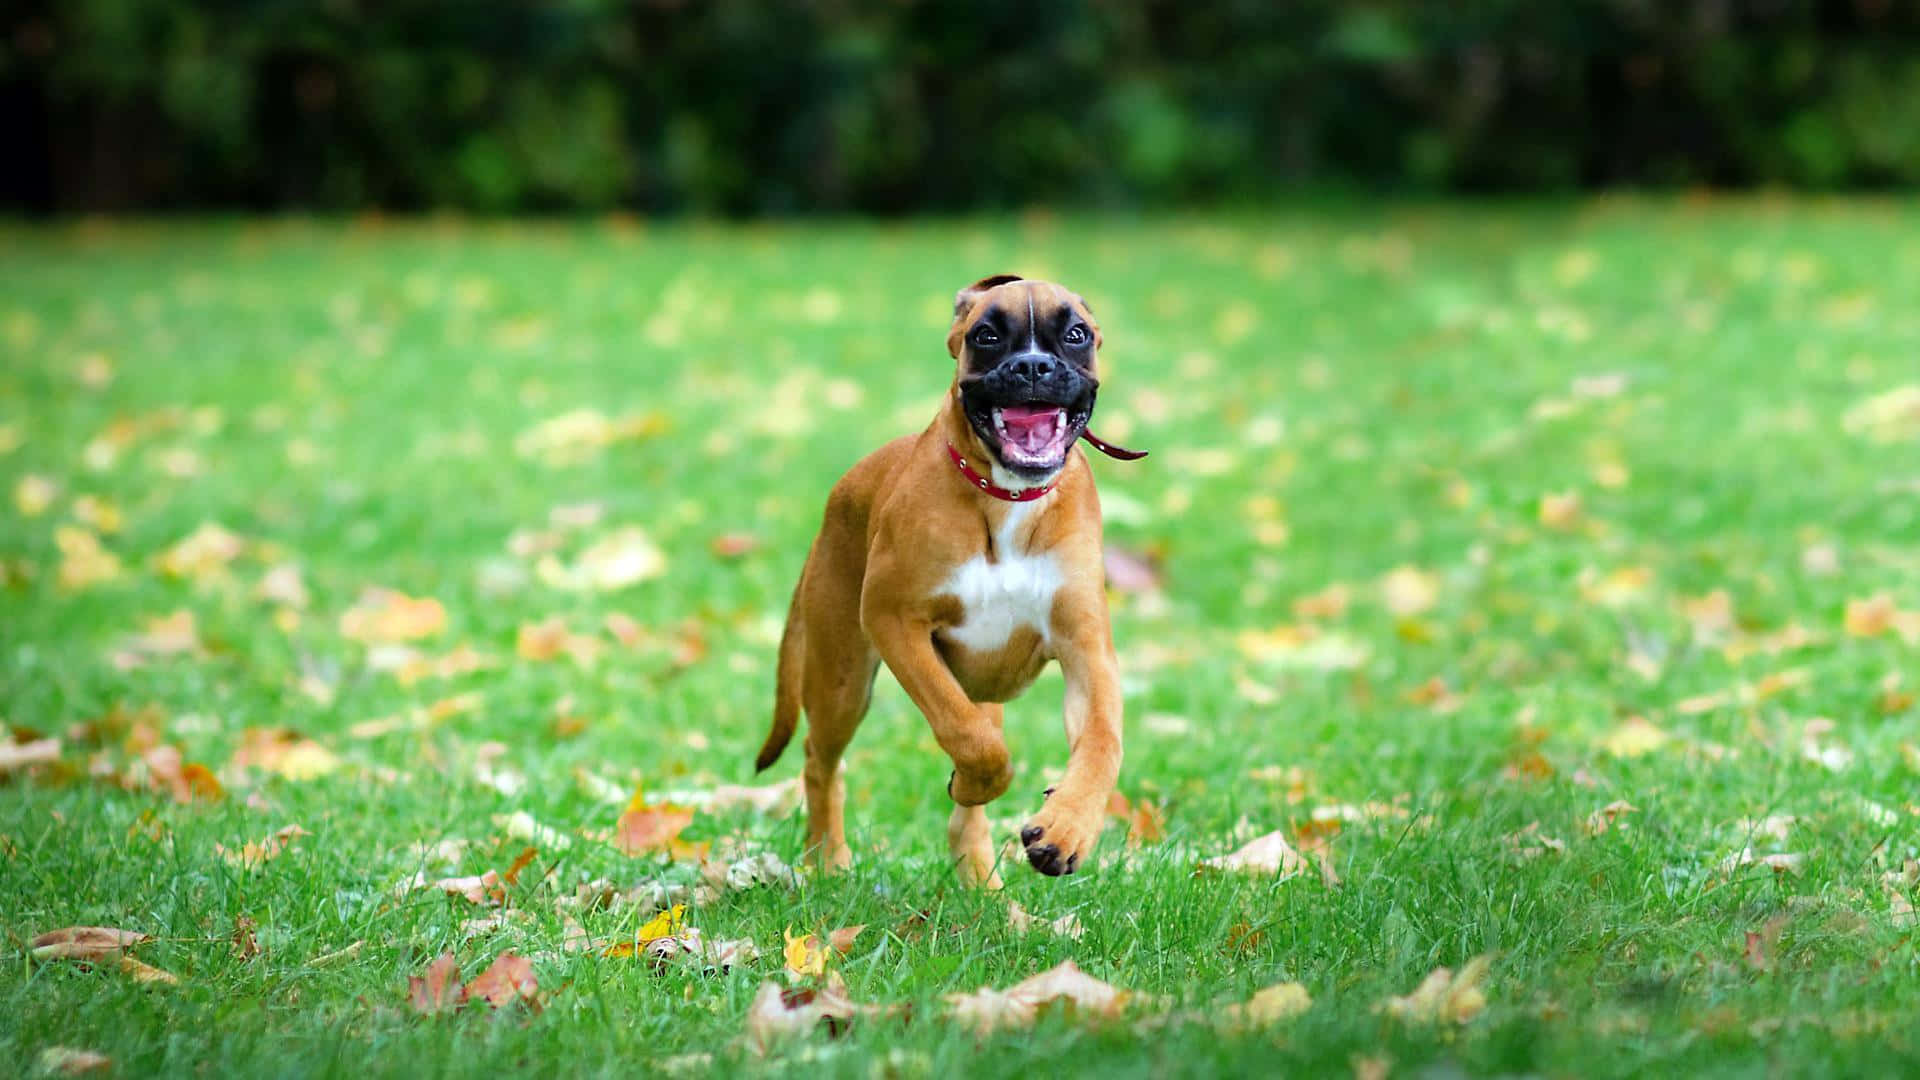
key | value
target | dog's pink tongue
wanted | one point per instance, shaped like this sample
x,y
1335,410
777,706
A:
x,y
1031,426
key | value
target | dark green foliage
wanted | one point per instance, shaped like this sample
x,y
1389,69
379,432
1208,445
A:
x,y
741,106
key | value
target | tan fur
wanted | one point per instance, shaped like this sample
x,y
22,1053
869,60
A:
x,y
896,528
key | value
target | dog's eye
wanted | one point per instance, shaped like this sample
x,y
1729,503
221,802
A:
x,y
984,336
1075,335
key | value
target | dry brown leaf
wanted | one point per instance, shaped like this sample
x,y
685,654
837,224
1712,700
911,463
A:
x,y
1529,842
1444,997
84,943
284,752
507,980
384,616
1066,926
841,940
1269,854
779,1014
644,829
176,634
1778,862
69,1061
1131,571
255,852
520,861
439,990
484,889
1329,603
549,639
1878,615
246,945
15,756
987,1010
184,781
338,955
1146,822
1606,817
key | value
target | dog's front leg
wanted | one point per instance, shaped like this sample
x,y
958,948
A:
x,y
1062,834
968,732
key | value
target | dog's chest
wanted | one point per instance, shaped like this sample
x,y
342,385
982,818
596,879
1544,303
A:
x,y
1000,595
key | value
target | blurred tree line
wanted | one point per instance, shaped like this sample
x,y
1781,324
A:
x,y
772,106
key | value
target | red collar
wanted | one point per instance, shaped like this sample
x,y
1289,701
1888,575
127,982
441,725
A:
x,y
988,486
1030,494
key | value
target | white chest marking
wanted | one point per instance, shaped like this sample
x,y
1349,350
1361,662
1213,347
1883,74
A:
x,y
1014,590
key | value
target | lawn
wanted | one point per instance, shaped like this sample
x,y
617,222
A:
x,y
1549,575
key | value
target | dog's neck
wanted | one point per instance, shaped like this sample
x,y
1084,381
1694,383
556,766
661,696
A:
x,y
959,433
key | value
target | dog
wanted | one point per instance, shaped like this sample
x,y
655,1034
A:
x,y
965,558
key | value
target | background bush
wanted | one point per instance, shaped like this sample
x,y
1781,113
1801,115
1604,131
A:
x,y
758,106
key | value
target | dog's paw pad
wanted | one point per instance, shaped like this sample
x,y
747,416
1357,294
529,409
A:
x,y
1046,859
1029,834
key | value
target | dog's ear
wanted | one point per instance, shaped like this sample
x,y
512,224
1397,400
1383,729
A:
x,y
964,299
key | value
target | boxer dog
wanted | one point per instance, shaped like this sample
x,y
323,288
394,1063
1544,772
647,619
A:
x,y
965,558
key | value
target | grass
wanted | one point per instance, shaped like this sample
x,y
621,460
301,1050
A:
x,y
1330,395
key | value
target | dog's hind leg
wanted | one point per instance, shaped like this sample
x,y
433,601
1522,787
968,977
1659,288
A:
x,y
838,686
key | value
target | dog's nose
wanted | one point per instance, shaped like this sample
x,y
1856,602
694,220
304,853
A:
x,y
1033,365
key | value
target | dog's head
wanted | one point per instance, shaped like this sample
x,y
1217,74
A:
x,y
1026,374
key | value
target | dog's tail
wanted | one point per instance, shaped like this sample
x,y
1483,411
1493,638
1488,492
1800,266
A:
x,y
786,686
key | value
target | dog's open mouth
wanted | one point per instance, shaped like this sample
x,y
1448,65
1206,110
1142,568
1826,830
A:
x,y
1035,435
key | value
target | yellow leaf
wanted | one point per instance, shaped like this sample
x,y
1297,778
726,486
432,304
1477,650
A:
x,y
666,924
1408,590
1634,738
34,494
83,562
1444,997
805,955
383,615
1561,511
1281,1001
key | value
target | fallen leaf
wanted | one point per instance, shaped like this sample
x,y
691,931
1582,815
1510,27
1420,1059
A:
x,y
805,955
439,990
666,924
733,545
508,979
1444,997
185,781
83,561
1268,1006
1329,603
550,639
577,436
1529,842
68,1061
1146,822
15,756
84,943
1561,511
841,940
1269,854
1877,615
1066,926
1634,738
621,559
201,554
1779,862
255,852
779,1014
34,494
987,1010
484,889
1131,571
283,585
338,955
643,829
246,945
284,752
1408,590
1890,416
1604,818
520,861
147,973
384,615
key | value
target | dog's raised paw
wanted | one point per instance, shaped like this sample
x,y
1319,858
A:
x,y
1055,843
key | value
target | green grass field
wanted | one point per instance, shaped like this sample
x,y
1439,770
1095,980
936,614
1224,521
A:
x,y
1468,523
